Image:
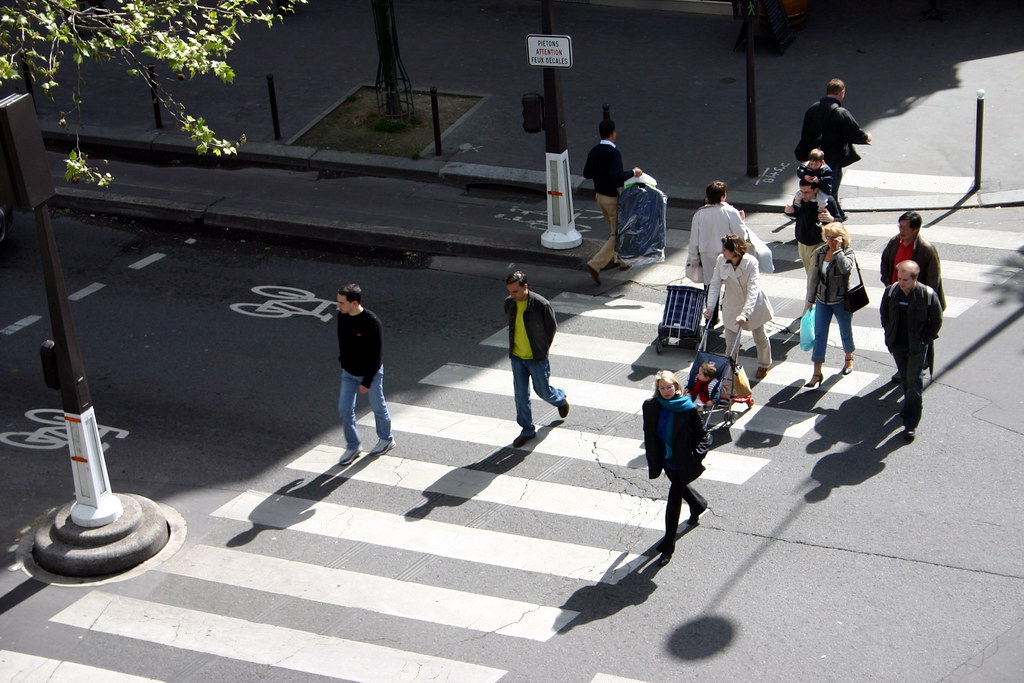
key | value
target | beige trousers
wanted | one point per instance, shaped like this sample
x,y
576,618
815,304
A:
x,y
609,209
764,349
807,255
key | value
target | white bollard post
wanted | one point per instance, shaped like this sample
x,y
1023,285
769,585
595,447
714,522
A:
x,y
95,504
561,232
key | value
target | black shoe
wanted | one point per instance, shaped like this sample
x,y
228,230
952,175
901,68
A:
x,y
563,410
694,520
909,434
521,440
664,559
896,379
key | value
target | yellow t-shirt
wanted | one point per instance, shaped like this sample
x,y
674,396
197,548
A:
x,y
520,342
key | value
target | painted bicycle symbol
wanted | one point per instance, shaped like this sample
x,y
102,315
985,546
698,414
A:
x,y
54,434
284,302
538,219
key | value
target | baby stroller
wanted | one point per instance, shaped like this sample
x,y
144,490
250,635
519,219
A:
x,y
721,393
683,317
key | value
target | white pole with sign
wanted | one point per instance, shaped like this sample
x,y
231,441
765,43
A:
x,y
555,52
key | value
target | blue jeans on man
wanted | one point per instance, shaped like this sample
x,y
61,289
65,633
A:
x,y
540,372
347,407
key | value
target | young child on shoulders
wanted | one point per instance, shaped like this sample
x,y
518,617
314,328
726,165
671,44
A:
x,y
819,174
704,385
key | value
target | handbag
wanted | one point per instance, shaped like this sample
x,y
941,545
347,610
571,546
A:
x,y
695,272
856,297
763,253
740,383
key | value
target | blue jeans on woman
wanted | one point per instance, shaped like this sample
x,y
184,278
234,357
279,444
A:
x,y
822,319
347,407
539,371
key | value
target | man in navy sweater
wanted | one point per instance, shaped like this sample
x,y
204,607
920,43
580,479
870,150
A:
x,y
604,167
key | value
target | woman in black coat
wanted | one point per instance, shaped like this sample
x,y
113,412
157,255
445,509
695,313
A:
x,y
674,439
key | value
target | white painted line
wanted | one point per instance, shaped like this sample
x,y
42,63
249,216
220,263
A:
x,y
530,494
605,449
21,324
579,392
942,233
964,271
427,536
274,646
86,291
611,308
17,666
795,287
152,258
908,182
373,593
594,348
788,373
778,421
608,678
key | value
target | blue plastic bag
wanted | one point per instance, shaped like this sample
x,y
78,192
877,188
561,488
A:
x,y
807,330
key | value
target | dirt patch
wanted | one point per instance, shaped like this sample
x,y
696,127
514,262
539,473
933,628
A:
x,y
357,126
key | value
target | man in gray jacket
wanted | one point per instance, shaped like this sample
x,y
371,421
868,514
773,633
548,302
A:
x,y
531,329
911,318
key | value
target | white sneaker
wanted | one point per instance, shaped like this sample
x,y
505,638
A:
x,y
348,456
383,446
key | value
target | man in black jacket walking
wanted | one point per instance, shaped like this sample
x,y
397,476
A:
x,y
831,127
604,167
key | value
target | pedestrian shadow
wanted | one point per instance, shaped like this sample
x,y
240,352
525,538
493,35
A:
x,y
317,489
464,483
602,600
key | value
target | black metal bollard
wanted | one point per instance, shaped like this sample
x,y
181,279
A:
x,y
978,129
273,106
151,77
437,121
606,110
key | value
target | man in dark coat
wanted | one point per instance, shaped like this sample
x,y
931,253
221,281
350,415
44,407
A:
x,y
831,127
604,167
911,319
909,245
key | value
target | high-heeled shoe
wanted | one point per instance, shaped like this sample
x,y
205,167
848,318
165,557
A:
x,y
848,366
815,381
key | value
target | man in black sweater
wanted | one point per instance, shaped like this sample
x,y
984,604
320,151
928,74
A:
x,y
360,352
604,167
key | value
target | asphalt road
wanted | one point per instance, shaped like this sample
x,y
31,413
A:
x,y
833,550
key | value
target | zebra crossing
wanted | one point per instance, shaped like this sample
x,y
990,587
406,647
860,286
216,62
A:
x,y
486,545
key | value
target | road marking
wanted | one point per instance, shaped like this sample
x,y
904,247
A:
x,y
274,646
605,449
909,182
593,348
86,291
152,258
580,392
17,666
788,373
368,592
496,548
778,421
21,324
611,308
608,678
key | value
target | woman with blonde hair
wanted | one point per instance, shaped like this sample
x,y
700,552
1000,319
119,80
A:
x,y
827,283
674,441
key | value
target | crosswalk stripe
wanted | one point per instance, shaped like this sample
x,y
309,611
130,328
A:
x,y
373,593
730,468
593,348
502,489
942,233
427,536
608,678
611,308
788,373
778,421
908,182
580,392
17,666
275,646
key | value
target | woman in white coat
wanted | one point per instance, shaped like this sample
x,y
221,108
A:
x,y
710,224
744,304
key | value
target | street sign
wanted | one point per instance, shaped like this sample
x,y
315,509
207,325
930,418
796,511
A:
x,y
549,51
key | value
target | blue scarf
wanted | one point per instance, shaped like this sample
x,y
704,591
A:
x,y
676,404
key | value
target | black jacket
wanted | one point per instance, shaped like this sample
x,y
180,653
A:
x,y
924,316
539,320
808,227
838,129
688,445
604,167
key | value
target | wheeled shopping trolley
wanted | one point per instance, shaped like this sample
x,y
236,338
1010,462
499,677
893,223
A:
x,y
683,317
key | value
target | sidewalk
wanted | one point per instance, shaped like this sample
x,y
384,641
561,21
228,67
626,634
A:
x,y
682,119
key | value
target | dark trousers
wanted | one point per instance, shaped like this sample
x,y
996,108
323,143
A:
x,y
714,314
677,493
911,365
837,178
